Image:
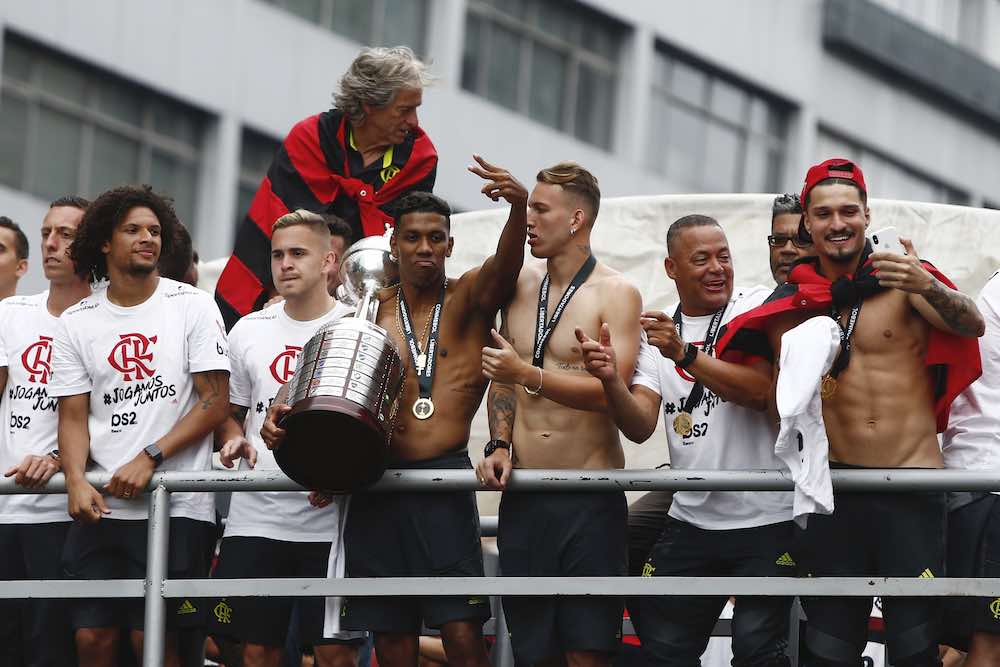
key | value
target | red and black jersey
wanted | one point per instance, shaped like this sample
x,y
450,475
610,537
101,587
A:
x,y
953,362
317,168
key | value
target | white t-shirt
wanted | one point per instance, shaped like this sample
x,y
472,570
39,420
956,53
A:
x,y
27,413
972,439
264,347
136,363
725,436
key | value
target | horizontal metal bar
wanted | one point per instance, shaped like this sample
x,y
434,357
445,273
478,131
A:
x,y
551,586
60,588
887,480
533,586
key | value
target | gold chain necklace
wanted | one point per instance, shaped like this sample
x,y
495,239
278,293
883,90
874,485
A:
x,y
421,361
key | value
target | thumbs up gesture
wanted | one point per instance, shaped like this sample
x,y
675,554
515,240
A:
x,y
502,363
598,355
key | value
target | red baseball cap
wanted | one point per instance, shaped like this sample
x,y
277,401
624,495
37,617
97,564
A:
x,y
836,167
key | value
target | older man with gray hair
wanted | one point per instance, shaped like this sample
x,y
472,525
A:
x,y
351,161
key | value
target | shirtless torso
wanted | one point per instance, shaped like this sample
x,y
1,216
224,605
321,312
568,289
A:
x,y
548,434
459,384
881,415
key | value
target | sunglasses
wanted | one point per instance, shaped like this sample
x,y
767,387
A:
x,y
779,241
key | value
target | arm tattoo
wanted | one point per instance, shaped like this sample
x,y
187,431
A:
x,y
239,412
500,409
957,310
209,386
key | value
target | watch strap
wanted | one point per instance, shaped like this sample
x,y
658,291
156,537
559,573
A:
x,y
153,452
690,352
494,445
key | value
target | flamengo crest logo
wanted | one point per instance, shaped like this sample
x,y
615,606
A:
x,y
36,358
283,365
131,356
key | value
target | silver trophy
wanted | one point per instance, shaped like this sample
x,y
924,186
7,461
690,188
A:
x,y
345,390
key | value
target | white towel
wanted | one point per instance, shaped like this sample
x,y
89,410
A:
x,y
807,352
336,569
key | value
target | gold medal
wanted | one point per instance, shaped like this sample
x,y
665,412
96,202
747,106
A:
x,y
827,386
423,408
683,424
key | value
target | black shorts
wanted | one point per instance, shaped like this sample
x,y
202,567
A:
x,y
414,535
562,535
35,631
116,549
264,620
973,551
874,534
675,629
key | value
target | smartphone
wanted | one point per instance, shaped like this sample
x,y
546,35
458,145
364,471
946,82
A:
x,y
887,240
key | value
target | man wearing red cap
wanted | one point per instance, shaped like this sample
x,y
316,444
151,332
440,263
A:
x,y
902,360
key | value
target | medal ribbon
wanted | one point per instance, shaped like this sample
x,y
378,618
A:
x,y
425,379
698,391
844,357
542,330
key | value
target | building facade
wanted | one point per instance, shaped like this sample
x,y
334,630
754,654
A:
x,y
654,96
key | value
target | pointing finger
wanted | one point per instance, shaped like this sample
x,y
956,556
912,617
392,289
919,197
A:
x,y
487,165
500,340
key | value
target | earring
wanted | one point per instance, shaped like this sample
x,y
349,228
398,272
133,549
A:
x,y
572,232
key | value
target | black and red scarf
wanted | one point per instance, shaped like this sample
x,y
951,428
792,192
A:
x,y
311,170
952,361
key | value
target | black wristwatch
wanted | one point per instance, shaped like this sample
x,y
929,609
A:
x,y
690,352
153,452
494,445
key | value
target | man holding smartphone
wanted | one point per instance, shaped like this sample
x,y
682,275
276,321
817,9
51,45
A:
x,y
908,347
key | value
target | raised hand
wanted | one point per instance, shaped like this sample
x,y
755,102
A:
x,y
903,272
502,363
501,183
662,334
598,355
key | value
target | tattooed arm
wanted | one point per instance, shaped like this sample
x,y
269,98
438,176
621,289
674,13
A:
x,y
944,308
207,414
950,310
501,406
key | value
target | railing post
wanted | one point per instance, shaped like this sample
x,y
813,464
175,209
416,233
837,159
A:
x,y
158,539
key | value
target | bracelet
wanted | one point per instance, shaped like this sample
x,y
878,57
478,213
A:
x,y
535,392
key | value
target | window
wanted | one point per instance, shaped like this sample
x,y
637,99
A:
x,y
382,22
553,60
66,128
256,152
885,177
710,133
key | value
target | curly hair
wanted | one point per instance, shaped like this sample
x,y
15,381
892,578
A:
x,y
106,213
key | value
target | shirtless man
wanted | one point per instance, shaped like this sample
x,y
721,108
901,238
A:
x,y
431,534
879,411
557,419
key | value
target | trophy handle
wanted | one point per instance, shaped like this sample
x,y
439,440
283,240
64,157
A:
x,y
367,308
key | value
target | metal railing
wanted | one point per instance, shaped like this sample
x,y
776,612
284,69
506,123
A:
x,y
156,587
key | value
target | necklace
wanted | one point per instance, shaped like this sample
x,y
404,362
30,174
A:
x,y
421,361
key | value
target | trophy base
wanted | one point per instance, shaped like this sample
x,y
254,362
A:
x,y
332,444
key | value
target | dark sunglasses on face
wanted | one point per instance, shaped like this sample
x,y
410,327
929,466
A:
x,y
779,241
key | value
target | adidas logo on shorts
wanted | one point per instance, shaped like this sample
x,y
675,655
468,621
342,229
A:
x,y
926,574
187,608
785,559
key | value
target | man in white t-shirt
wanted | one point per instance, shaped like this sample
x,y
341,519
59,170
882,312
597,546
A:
x,y
141,371
972,442
280,533
33,527
715,420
